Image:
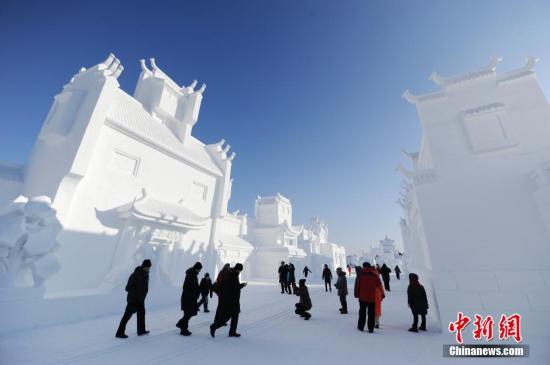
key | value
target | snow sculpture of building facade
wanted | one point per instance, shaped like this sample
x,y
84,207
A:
x,y
314,240
130,181
274,236
476,200
384,253
276,239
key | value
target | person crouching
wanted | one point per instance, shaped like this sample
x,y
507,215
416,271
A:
x,y
304,305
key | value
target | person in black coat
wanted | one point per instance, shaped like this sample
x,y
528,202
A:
x,y
397,272
385,272
137,288
189,296
306,271
206,289
418,302
229,303
327,276
305,301
358,272
292,279
218,285
283,277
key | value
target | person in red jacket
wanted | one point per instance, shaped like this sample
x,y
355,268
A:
x,y
368,284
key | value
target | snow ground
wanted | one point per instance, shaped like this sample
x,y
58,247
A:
x,y
272,334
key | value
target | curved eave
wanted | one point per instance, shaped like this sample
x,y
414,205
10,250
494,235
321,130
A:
x,y
168,222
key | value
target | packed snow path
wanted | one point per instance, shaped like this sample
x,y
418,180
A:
x,y
271,334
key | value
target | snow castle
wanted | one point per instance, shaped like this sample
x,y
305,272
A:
x,y
476,199
127,180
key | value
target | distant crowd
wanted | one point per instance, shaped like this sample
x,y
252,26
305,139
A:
x,y
367,289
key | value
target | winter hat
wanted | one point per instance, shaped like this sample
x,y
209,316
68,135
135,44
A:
x,y
239,266
146,263
206,275
302,282
197,266
366,264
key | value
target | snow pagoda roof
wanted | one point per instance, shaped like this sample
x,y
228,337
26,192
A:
x,y
226,240
284,226
485,72
130,117
162,212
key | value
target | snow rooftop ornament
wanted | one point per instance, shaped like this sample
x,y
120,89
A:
x,y
128,181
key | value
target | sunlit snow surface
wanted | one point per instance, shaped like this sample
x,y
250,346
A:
x,y
271,334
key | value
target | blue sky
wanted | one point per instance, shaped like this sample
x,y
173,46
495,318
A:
x,y
308,93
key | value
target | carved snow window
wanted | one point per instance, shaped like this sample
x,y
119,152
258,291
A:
x,y
63,113
125,163
488,132
199,191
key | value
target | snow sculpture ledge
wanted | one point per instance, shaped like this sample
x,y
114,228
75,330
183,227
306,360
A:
x,y
28,231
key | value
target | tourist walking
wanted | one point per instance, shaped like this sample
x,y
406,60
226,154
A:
x,y
418,302
137,288
206,289
397,272
385,272
342,286
327,277
368,282
189,296
304,305
217,285
229,304
306,271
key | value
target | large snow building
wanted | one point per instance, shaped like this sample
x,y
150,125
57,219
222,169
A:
x,y
276,239
129,180
476,200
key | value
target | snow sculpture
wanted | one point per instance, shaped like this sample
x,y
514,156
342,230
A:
x,y
28,231
475,196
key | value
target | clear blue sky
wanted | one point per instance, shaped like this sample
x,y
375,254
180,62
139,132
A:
x,y
306,92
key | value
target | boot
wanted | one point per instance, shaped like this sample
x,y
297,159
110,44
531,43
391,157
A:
x,y
412,329
234,334
185,333
212,331
143,333
121,335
